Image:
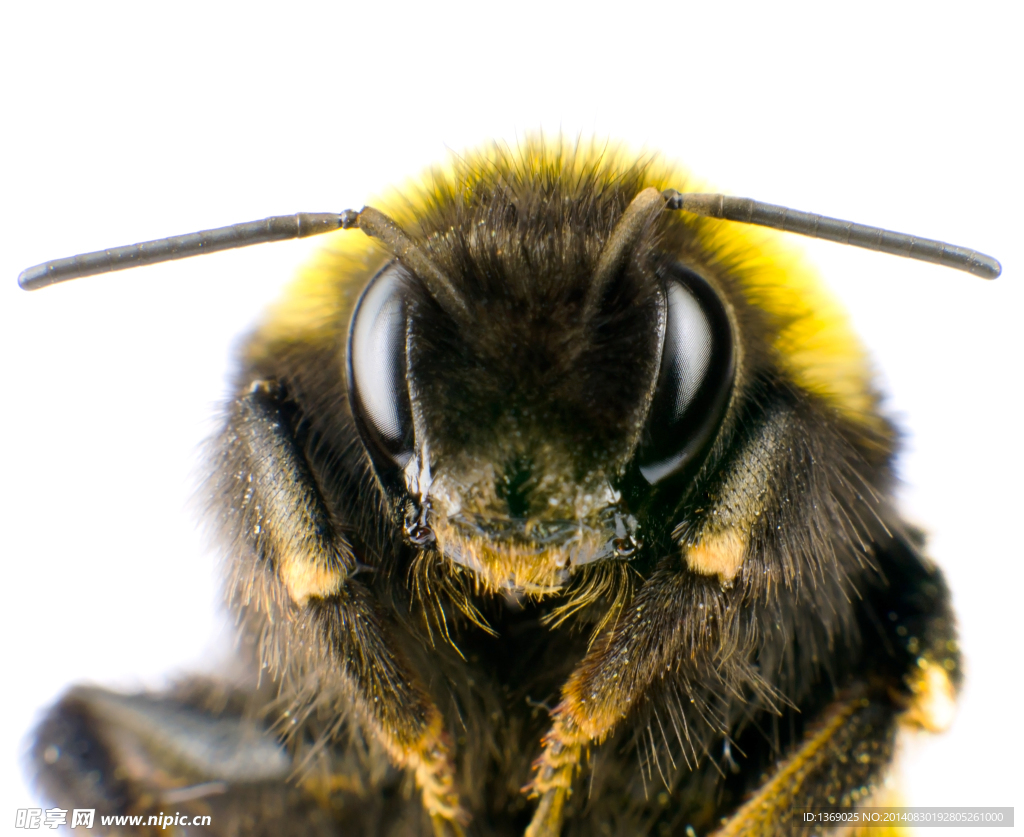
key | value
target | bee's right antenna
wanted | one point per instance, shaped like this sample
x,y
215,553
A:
x,y
371,221
278,228
749,211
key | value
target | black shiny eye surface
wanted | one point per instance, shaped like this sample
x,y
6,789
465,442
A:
x,y
697,365
378,389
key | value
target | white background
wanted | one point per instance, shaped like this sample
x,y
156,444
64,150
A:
x,y
126,122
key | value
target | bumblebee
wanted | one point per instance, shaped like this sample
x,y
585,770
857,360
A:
x,y
560,503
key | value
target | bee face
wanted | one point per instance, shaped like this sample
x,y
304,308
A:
x,y
524,437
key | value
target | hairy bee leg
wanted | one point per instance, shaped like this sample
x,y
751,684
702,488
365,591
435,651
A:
x,y
839,763
284,515
611,678
552,783
387,696
299,594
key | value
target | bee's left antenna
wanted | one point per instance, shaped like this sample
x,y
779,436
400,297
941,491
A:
x,y
278,228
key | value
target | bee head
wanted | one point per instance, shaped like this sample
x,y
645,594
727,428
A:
x,y
565,357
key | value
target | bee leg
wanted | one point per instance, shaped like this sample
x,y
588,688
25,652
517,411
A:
x,y
615,674
322,634
838,763
552,783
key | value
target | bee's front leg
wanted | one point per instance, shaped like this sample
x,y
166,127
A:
x,y
321,632
618,671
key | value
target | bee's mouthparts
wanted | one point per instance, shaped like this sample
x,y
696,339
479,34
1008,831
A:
x,y
533,557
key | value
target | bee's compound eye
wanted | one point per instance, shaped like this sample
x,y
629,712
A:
x,y
378,388
695,378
